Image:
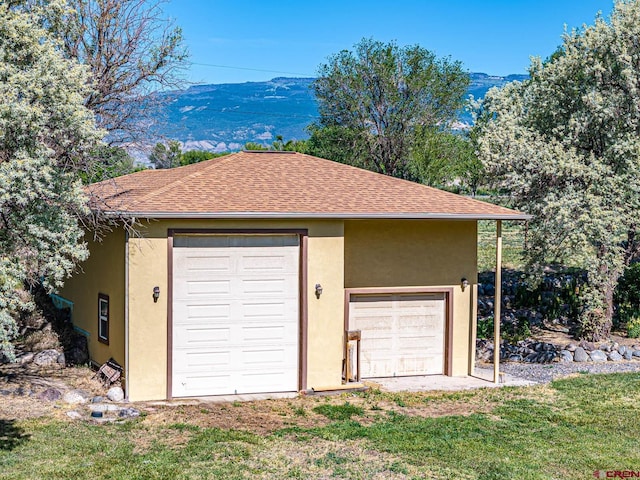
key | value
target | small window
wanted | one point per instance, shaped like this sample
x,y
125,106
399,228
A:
x,y
103,318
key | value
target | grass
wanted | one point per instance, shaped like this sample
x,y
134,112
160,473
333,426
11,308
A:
x,y
568,429
339,412
512,244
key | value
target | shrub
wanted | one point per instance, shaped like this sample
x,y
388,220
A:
x,y
633,327
513,332
485,327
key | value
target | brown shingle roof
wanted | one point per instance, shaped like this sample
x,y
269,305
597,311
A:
x,y
282,184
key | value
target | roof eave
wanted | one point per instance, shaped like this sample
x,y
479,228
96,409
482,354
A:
x,y
299,215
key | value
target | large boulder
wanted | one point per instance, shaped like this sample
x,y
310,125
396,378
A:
x,y
566,356
129,413
587,345
615,356
580,355
26,357
78,352
50,395
598,356
46,358
115,394
75,397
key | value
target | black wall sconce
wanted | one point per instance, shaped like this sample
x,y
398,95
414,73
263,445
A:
x,y
156,294
464,283
318,290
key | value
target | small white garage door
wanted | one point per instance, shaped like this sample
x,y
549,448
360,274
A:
x,y
401,334
235,314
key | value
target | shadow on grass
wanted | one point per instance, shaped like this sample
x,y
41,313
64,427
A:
x,y
11,436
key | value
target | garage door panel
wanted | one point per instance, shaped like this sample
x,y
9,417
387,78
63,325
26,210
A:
x,y
208,311
414,322
268,310
260,381
204,360
419,342
265,356
200,335
207,287
198,264
265,286
235,315
264,333
401,334
204,384
266,264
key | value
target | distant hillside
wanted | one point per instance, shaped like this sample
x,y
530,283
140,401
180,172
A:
x,y
226,116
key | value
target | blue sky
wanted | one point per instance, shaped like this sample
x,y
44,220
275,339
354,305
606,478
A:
x,y
241,40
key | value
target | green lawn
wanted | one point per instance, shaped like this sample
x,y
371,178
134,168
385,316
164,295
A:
x,y
512,243
566,430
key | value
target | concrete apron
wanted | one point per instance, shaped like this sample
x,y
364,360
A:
x,y
483,378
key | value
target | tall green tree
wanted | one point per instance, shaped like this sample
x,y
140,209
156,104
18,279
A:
x,y
289,145
445,160
46,133
372,99
108,162
166,156
565,147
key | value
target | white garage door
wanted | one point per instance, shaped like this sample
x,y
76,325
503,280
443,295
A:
x,y
401,334
235,314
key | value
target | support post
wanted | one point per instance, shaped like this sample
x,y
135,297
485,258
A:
x,y
497,304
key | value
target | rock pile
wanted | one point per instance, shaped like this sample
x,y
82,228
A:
x,y
531,351
589,352
552,303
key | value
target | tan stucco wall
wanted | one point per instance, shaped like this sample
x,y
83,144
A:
x,y
103,273
349,254
148,320
418,253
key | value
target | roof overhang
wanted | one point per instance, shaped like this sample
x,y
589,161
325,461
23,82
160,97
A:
x,y
301,215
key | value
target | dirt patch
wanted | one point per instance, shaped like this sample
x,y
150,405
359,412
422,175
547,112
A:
x,y
260,417
21,384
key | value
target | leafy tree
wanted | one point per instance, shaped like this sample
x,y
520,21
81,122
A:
x,y
131,50
290,145
108,162
442,159
338,143
166,156
45,134
196,156
373,98
565,147
255,146
279,144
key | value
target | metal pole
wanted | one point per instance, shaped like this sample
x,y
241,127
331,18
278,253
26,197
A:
x,y
496,305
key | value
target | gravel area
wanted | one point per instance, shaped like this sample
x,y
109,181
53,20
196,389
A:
x,y
543,373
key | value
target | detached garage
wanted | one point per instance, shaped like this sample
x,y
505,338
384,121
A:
x,y
250,273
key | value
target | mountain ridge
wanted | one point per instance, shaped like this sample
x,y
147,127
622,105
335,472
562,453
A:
x,y
225,116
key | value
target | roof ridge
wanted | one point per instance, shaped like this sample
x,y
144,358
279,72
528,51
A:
x,y
213,161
